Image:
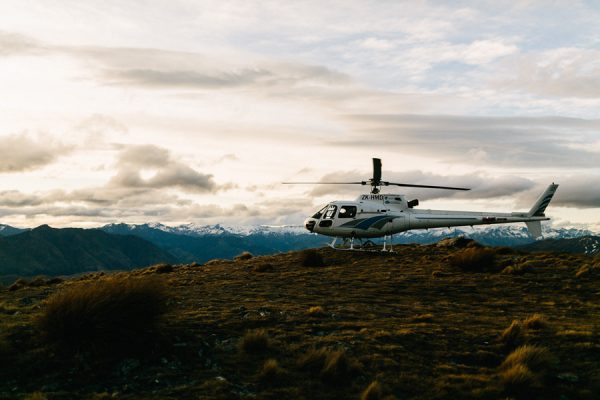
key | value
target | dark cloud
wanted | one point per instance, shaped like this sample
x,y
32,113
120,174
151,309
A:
x,y
168,172
22,152
505,141
579,192
185,79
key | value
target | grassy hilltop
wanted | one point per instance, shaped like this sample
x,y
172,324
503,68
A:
x,y
446,321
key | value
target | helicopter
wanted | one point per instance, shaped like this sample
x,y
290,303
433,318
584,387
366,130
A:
x,y
376,215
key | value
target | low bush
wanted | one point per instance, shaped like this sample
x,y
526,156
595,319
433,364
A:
x,y
474,259
311,258
119,315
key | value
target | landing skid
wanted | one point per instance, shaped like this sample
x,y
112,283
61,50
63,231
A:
x,y
367,246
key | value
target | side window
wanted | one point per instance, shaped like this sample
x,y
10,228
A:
x,y
347,212
330,213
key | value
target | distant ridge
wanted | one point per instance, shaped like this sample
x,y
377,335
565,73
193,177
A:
x,y
7,230
49,251
589,245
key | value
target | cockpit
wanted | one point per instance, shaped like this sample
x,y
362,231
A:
x,y
326,215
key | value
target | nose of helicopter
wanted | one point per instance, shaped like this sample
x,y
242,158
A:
x,y
309,223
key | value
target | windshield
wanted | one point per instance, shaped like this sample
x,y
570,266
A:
x,y
319,213
330,213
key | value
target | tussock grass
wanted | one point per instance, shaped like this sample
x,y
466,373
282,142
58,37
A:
x,y
474,259
263,267
118,315
271,374
535,322
525,370
333,366
514,335
536,358
311,258
373,392
316,311
18,284
246,255
255,341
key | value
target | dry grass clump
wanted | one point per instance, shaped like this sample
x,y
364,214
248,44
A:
x,y
473,259
271,374
263,267
114,314
584,271
159,269
373,392
246,255
518,269
535,322
255,341
18,284
36,396
514,335
316,311
333,366
524,371
311,258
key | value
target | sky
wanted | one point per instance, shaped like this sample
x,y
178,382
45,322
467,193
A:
x,y
195,111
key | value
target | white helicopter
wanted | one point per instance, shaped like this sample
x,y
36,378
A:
x,y
376,215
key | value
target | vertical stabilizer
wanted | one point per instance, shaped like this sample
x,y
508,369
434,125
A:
x,y
540,205
534,228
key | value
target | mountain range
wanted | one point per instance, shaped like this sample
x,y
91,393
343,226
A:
x,y
50,251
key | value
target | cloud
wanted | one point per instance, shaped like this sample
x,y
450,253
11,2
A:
x,y
505,141
579,192
563,72
16,44
167,172
22,152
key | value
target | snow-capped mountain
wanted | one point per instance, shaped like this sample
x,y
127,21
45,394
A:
x,y
216,229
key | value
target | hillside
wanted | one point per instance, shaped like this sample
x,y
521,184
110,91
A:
x,y
422,323
49,251
206,243
582,245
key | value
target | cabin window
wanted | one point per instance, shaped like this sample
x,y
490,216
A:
x,y
347,212
330,213
320,213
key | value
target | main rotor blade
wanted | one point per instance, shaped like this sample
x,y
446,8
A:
x,y
324,183
423,186
376,170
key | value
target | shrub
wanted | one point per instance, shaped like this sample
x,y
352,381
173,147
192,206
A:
x,y
473,259
116,314
524,371
255,341
246,255
372,392
311,258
